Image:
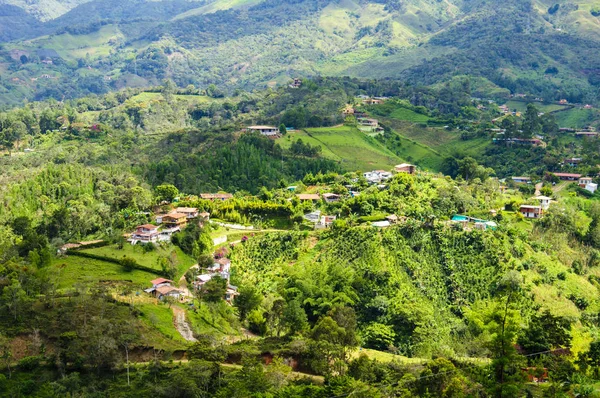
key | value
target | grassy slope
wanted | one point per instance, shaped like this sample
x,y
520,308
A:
x,y
217,5
352,148
577,117
521,106
184,262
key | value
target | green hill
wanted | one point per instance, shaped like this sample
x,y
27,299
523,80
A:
x,y
253,43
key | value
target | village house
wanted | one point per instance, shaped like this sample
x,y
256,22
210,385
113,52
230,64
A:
x,y
563,102
162,288
544,201
529,211
573,162
521,180
348,110
304,197
587,183
216,196
377,176
331,197
146,233
204,216
584,134
406,168
567,176
175,220
268,131
587,106
367,122
190,212
296,83
325,222
313,217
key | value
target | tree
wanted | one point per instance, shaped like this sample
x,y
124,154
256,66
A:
x,y
531,122
167,192
6,353
294,317
128,263
282,129
248,300
214,290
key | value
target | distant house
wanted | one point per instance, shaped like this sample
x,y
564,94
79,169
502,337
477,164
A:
x,y
348,110
164,292
175,220
331,197
146,233
587,183
313,197
573,162
588,106
296,83
394,219
325,222
377,176
204,216
159,282
190,212
158,218
313,217
367,122
531,211
544,201
405,168
268,131
216,196
583,134
521,180
563,102
568,176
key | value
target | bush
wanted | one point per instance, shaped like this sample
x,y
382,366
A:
x,y
128,263
30,363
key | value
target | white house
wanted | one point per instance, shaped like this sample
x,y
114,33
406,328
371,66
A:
x,y
268,131
531,211
146,233
587,183
544,201
325,222
377,176
313,217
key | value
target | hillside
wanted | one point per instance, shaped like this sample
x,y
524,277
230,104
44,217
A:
x,y
263,43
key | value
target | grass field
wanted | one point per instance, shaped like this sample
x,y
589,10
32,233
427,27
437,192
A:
x,y
409,116
347,145
521,106
71,271
184,262
577,117
160,318
218,5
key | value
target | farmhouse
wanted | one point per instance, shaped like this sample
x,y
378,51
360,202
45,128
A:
x,y
146,233
405,168
216,196
568,176
175,220
268,131
531,211
544,201
331,197
190,212
164,292
587,183
521,180
308,197
325,222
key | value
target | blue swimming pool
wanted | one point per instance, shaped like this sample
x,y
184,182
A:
x,y
458,217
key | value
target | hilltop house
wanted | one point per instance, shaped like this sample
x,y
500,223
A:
x,y
529,211
544,201
175,220
331,197
146,233
405,168
325,222
268,131
587,183
190,212
313,197
568,176
162,288
521,180
216,196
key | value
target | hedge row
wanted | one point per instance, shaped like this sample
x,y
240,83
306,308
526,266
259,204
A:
x,y
113,260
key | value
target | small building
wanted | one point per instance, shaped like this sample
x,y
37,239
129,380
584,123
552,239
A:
x,y
231,293
159,282
158,218
377,176
392,219
563,102
348,110
573,162
544,201
216,196
325,222
529,211
165,292
568,176
146,233
204,216
175,220
313,217
367,122
268,131
587,106
521,180
405,168
584,134
304,197
587,183
381,224
190,212
296,83
331,197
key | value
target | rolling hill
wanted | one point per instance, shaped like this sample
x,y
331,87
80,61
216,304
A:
x,y
536,47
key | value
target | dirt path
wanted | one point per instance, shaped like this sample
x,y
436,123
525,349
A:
x,y
181,324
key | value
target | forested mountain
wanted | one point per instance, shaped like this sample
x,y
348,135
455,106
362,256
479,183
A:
x,y
544,48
